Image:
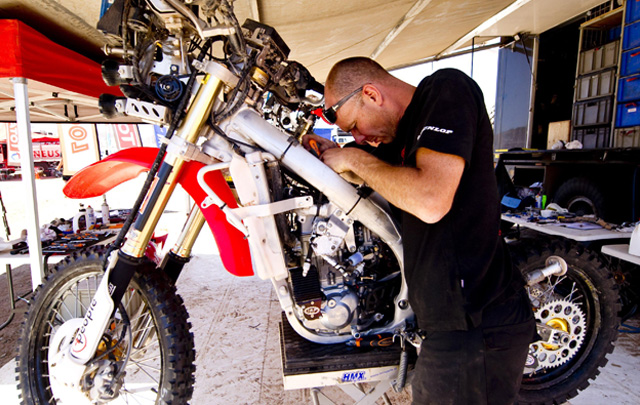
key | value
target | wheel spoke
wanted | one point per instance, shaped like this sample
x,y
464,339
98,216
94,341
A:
x,y
143,367
78,301
143,329
146,359
138,388
131,394
64,305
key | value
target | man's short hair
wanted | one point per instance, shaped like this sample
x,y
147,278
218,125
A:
x,y
350,73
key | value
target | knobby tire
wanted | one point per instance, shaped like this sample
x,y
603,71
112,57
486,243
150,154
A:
x,y
596,294
169,330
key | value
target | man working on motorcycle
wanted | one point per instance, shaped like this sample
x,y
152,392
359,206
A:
x,y
434,163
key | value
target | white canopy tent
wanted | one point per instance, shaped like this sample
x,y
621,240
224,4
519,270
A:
x,y
396,33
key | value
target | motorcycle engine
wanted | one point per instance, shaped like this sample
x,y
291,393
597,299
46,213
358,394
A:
x,y
348,276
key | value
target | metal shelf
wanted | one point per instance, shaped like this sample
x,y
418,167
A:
x,y
608,20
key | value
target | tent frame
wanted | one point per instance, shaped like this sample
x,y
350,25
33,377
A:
x,y
21,94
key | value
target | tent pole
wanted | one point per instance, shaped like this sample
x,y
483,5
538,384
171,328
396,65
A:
x,y
28,179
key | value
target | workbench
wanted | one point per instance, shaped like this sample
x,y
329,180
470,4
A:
x,y
8,260
618,250
569,230
621,252
19,260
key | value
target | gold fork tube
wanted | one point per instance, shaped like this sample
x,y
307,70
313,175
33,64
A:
x,y
200,108
190,232
189,130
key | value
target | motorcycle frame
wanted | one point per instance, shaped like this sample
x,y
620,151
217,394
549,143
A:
x,y
257,214
281,147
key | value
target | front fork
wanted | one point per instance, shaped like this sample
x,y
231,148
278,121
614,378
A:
x,y
124,262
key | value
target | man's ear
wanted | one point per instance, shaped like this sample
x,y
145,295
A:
x,y
372,94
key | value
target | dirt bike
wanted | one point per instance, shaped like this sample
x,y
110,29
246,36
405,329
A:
x,y
108,325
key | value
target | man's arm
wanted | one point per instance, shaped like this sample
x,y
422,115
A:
x,y
426,191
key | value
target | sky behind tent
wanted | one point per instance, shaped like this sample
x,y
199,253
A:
x,y
485,71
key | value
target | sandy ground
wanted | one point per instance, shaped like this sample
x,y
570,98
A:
x,y
235,323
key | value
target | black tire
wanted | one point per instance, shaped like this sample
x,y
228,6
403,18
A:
x,y
163,349
582,197
589,288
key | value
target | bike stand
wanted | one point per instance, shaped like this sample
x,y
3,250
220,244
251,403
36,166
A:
x,y
357,392
307,365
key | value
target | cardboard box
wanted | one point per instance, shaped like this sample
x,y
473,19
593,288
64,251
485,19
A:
x,y
558,131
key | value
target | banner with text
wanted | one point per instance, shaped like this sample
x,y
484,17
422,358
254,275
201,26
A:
x,y
79,146
126,136
45,148
13,152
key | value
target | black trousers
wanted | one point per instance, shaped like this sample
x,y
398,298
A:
x,y
479,366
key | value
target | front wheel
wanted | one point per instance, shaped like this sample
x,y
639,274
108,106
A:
x,y
146,353
579,308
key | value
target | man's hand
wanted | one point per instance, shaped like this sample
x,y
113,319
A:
x,y
338,159
323,144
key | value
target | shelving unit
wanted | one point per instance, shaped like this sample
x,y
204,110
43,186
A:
x,y
606,104
627,121
595,85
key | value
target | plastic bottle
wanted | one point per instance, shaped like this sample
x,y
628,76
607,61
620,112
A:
x,y
105,211
91,218
82,214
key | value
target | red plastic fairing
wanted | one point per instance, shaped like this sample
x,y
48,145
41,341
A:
x,y
233,247
102,176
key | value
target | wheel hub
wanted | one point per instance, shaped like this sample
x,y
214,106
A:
x,y
98,381
101,381
65,374
557,324
564,330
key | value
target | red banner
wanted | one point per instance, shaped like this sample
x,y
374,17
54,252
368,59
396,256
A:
x,y
47,151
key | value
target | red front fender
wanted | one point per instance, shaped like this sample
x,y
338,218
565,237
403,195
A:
x,y
102,176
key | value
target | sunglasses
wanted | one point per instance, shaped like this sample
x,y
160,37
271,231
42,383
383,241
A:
x,y
329,114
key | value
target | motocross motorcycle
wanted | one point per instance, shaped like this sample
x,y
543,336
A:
x,y
108,324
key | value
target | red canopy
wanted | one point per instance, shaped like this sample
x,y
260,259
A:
x,y
27,53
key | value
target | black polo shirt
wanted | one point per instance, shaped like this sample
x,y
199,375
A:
x,y
458,266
